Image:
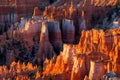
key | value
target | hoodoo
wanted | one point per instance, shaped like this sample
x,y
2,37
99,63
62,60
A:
x,y
59,39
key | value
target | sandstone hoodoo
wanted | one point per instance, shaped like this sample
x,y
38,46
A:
x,y
55,35
93,64
30,31
44,46
94,68
12,10
59,40
79,69
68,31
37,12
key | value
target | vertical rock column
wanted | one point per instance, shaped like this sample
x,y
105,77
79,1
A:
x,y
118,64
45,47
68,31
55,35
79,68
97,70
30,31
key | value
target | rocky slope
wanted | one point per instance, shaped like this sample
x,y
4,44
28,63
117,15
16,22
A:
x,y
96,53
62,43
11,11
86,59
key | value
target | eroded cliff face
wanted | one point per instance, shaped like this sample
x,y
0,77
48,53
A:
x,y
68,28
44,46
11,11
55,35
90,60
86,14
17,69
96,54
73,10
60,43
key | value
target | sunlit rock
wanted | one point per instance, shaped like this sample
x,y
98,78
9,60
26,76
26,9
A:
x,y
45,47
30,31
79,68
97,70
37,12
63,64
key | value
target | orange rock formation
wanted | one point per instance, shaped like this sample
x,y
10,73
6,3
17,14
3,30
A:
x,y
77,67
96,53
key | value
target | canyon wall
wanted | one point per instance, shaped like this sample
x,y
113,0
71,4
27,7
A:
x,y
61,41
86,59
12,11
96,54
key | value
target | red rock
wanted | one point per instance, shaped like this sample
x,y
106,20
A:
x,y
13,10
86,78
37,12
30,31
63,65
94,44
97,70
68,31
55,35
79,68
118,64
118,70
45,47
109,67
14,70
